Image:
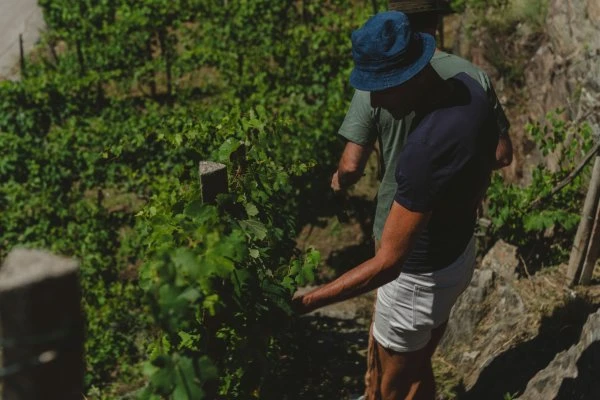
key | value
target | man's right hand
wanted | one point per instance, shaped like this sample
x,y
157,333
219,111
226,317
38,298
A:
x,y
335,183
504,152
351,166
338,196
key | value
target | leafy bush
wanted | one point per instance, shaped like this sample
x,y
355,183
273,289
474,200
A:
x,y
544,233
102,141
219,278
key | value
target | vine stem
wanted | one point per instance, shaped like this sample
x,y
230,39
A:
x,y
566,180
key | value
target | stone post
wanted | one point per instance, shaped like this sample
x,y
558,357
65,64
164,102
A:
x,y
213,180
41,325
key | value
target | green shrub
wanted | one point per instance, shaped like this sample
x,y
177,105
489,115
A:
x,y
544,233
116,121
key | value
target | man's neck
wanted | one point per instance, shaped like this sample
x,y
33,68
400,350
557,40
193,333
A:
x,y
444,90
437,92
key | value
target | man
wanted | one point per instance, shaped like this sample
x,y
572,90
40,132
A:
x,y
364,125
426,254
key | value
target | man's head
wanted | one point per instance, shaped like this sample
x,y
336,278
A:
x,y
424,15
388,60
410,7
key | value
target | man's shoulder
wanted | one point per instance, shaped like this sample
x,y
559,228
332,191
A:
x,y
444,60
474,98
361,99
448,65
467,107
362,94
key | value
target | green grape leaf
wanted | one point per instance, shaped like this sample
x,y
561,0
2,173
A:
x,y
254,229
251,210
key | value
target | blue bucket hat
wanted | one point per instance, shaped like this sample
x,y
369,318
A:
x,y
387,53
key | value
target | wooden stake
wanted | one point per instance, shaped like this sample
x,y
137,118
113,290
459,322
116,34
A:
x,y
592,252
213,180
22,55
42,327
582,237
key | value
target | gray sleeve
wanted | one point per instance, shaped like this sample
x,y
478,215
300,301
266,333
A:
x,y
359,125
499,115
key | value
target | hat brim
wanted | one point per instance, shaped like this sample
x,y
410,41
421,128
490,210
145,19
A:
x,y
373,81
419,8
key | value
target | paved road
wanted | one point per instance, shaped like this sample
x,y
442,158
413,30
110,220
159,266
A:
x,y
17,17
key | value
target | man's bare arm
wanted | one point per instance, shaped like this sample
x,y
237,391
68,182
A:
x,y
351,166
504,151
399,234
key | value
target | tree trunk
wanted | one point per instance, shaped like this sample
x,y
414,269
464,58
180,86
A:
x,y
582,237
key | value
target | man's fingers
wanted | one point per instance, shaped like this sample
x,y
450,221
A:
x,y
298,304
335,183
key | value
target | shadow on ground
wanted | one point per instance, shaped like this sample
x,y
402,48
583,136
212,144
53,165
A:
x,y
510,371
328,363
343,235
341,260
328,360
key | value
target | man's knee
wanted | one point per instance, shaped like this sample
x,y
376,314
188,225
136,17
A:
x,y
416,384
398,372
401,387
394,390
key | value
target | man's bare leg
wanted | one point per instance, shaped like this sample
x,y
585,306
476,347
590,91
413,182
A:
x,y
372,374
423,388
404,376
399,371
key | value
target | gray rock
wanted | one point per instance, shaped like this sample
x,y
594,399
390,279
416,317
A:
x,y
480,285
565,71
485,315
468,310
573,374
503,260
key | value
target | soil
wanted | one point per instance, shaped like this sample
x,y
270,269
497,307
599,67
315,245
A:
x,y
337,335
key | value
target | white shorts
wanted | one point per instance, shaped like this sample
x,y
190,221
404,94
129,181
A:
x,y
409,307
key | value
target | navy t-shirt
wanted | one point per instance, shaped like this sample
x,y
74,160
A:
x,y
445,167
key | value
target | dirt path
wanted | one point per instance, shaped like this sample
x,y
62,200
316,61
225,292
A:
x,y
335,337
17,17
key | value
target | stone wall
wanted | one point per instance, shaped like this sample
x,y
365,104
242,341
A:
x,y
561,69
565,70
